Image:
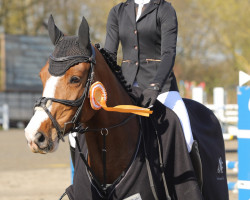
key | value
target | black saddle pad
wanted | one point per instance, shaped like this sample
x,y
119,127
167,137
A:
x,y
207,132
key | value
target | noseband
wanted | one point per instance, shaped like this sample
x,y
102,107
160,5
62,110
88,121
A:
x,y
42,102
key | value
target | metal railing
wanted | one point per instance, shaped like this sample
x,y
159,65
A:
x,y
4,116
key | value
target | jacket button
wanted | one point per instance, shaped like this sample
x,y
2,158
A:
x,y
136,47
135,31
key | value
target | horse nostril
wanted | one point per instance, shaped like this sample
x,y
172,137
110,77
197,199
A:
x,y
40,140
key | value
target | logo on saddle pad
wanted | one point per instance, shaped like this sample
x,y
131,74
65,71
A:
x,y
134,197
220,172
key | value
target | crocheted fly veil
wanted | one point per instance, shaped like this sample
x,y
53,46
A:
x,y
69,50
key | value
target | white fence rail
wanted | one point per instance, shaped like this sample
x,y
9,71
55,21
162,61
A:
x,y
4,116
226,114
228,117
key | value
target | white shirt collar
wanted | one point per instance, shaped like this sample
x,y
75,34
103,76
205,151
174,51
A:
x,y
142,1
141,4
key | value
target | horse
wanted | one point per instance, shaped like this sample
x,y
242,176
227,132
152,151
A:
x,y
120,155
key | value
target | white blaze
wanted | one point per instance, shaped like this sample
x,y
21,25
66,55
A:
x,y
40,115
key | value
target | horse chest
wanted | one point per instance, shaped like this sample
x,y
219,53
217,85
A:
x,y
133,184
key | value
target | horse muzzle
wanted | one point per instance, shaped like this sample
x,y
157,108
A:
x,y
41,144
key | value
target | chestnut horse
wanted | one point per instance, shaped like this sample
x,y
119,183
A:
x,y
73,66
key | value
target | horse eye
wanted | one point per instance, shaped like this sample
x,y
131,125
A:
x,y
74,79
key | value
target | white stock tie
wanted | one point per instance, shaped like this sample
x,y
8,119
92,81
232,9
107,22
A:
x,y
140,6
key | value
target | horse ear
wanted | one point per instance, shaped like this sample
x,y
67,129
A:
x,y
54,33
83,33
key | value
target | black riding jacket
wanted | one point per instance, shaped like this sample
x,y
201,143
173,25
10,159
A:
x,y
148,44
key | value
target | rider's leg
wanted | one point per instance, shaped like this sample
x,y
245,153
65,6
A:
x,y
173,100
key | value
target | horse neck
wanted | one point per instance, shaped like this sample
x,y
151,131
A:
x,y
120,141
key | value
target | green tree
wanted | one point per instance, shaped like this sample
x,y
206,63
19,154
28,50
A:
x,y
213,41
213,34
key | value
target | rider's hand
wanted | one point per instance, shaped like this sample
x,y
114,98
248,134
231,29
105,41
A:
x,y
149,95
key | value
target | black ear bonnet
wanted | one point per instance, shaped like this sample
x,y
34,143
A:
x,y
69,50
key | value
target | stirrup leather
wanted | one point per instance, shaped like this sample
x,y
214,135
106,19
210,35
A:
x,y
197,164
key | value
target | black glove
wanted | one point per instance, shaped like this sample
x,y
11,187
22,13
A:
x,y
149,96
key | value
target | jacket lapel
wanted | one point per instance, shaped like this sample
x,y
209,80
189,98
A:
x,y
153,4
130,9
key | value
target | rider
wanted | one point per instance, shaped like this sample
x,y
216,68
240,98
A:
x,y
147,30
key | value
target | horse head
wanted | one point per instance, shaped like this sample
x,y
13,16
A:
x,y
64,79
72,68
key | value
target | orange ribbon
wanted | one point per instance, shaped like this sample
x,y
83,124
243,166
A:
x,y
98,99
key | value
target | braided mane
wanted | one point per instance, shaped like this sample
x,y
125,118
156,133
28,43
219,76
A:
x,y
116,69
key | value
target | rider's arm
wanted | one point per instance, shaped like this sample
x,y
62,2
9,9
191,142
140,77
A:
x,y
169,28
112,36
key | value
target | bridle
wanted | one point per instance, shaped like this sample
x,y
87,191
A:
x,y
42,102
